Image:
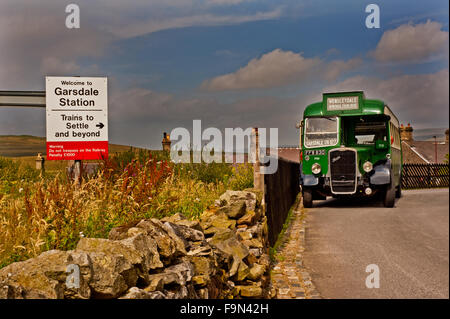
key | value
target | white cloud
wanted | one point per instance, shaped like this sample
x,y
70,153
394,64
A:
x,y
337,67
55,66
154,24
227,2
278,68
272,69
412,43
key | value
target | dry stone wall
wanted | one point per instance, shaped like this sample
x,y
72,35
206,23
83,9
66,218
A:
x,y
222,255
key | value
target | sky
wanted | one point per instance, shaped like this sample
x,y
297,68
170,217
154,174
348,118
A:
x,y
229,63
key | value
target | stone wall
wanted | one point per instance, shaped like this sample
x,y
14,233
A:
x,y
223,255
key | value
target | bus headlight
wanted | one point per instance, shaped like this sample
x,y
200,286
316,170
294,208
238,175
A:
x,y
367,167
316,168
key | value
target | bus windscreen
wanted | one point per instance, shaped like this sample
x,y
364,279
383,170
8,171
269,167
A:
x,y
321,131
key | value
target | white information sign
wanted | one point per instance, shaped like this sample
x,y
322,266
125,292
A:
x,y
342,103
77,117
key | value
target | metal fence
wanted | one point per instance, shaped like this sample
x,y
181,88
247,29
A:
x,y
281,190
425,175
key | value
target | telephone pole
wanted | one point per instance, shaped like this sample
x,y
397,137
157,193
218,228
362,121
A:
x,y
435,149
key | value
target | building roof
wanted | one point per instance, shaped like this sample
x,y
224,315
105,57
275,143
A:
x,y
290,154
424,151
411,156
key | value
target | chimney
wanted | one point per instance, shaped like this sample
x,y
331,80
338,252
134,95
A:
x,y
446,136
406,133
166,142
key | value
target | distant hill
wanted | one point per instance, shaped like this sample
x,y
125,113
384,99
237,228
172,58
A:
x,y
28,145
427,134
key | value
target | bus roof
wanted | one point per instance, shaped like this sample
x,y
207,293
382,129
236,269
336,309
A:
x,y
348,104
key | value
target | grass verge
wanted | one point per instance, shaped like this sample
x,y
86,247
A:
x,y
273,251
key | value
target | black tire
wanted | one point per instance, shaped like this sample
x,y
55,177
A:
x,y
307,198
389,196
398,191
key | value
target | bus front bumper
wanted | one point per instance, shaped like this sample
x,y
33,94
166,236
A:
x,y
322,185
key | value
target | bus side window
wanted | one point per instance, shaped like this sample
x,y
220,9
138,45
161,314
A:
x,y
391,134
394,134
395,137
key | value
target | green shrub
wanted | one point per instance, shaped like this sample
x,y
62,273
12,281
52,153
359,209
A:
x,y
242,177
16,170
205,172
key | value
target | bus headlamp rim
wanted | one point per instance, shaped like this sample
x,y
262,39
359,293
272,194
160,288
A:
x,y
316,168
367,166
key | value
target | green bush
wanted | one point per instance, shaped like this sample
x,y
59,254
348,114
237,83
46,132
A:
x,y
205,172
242,177
15,171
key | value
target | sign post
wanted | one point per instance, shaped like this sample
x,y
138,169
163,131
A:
x,y
77,118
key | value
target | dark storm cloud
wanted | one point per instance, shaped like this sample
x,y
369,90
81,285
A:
x,y
422,99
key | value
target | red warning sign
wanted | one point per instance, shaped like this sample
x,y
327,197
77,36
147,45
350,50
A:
x,y
77,150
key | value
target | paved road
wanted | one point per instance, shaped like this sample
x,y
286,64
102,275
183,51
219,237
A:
x,y
409,243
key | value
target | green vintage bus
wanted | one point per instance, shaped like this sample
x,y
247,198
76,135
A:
x,y
350,146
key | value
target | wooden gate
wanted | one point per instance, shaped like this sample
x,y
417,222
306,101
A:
x,y
425,175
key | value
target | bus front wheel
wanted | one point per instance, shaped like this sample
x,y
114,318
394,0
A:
x,y
398,191
389,196
307,198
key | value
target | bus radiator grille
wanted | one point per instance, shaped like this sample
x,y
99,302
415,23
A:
x,y
343,171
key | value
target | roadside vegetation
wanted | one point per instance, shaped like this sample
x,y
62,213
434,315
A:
x,y
282,239
39,212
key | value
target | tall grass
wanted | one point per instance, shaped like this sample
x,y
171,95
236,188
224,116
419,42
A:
x,y
40,213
